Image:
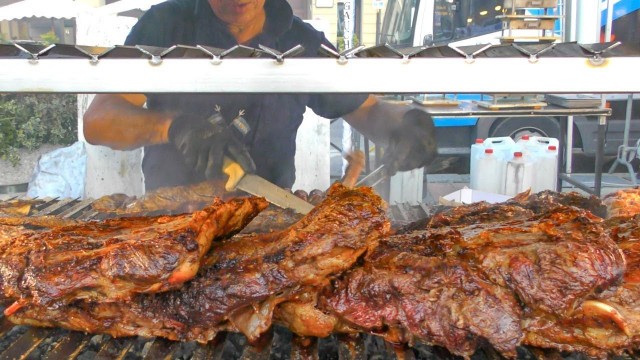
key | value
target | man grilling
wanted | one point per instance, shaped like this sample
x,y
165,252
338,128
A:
x,y
186,136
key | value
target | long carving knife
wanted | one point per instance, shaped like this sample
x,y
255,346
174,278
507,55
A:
x,y
255,185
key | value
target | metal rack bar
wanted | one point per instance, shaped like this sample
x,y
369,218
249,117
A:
x,y
415,75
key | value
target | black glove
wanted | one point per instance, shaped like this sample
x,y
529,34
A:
x,y
412,144
204,142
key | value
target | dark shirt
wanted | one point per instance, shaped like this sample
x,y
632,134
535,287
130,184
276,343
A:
x,y
273,118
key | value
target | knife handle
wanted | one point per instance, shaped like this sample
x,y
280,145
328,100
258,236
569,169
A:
x,y
234,171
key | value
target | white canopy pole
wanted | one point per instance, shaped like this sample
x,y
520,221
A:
x,y
108,171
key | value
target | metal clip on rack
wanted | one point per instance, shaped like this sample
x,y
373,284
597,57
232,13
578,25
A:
x,y
470,52
294,51
343,56
238,51
34,51
597,50
534,51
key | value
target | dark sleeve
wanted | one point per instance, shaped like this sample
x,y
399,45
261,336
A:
x,y
332,106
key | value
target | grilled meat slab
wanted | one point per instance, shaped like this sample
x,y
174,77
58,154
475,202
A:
x,y
181,199
477,213
272,219
608,324
116,258
408,298
622,203
245,277
520,207
456,286
168,200
547,200
566,249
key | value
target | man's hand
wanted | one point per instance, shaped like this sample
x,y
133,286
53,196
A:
x,y
204,142
412,144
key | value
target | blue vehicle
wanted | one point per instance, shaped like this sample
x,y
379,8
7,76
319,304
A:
x,y
411,23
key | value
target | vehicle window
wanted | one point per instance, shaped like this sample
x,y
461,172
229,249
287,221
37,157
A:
x,y
399,21
482,17
462,19
444,22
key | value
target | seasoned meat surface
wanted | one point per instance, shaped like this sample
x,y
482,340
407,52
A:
x,y
459,286
478,213
272,219
406,298
522,206
622,203
540,270
609,323
165,200
547,200
245,277
117,258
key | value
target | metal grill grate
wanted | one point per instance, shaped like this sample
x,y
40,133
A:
x,y
22,342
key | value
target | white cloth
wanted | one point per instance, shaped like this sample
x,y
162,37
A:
x,y
60,173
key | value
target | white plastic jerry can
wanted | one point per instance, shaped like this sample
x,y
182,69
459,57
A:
x,y
490,172
519,174
503,146
546,170
477,150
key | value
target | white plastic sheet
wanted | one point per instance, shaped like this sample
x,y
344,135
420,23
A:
x,y
60,173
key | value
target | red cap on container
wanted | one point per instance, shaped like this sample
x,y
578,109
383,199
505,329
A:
x,y
517,154
479,141
553,148
488,151
525,137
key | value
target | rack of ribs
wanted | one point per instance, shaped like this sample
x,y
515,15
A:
x,y
243,278
113,259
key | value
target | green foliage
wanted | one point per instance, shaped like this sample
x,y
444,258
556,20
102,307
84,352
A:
x,y
340,45
50,38
28,121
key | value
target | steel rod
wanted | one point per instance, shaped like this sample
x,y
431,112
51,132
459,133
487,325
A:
x,y
602,124
576,183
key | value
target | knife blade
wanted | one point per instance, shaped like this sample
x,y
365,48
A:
x,y
258,186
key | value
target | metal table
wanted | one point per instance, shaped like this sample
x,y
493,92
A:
x,y
470,109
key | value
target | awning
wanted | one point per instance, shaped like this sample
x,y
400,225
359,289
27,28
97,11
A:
x,y
56,9
125,6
